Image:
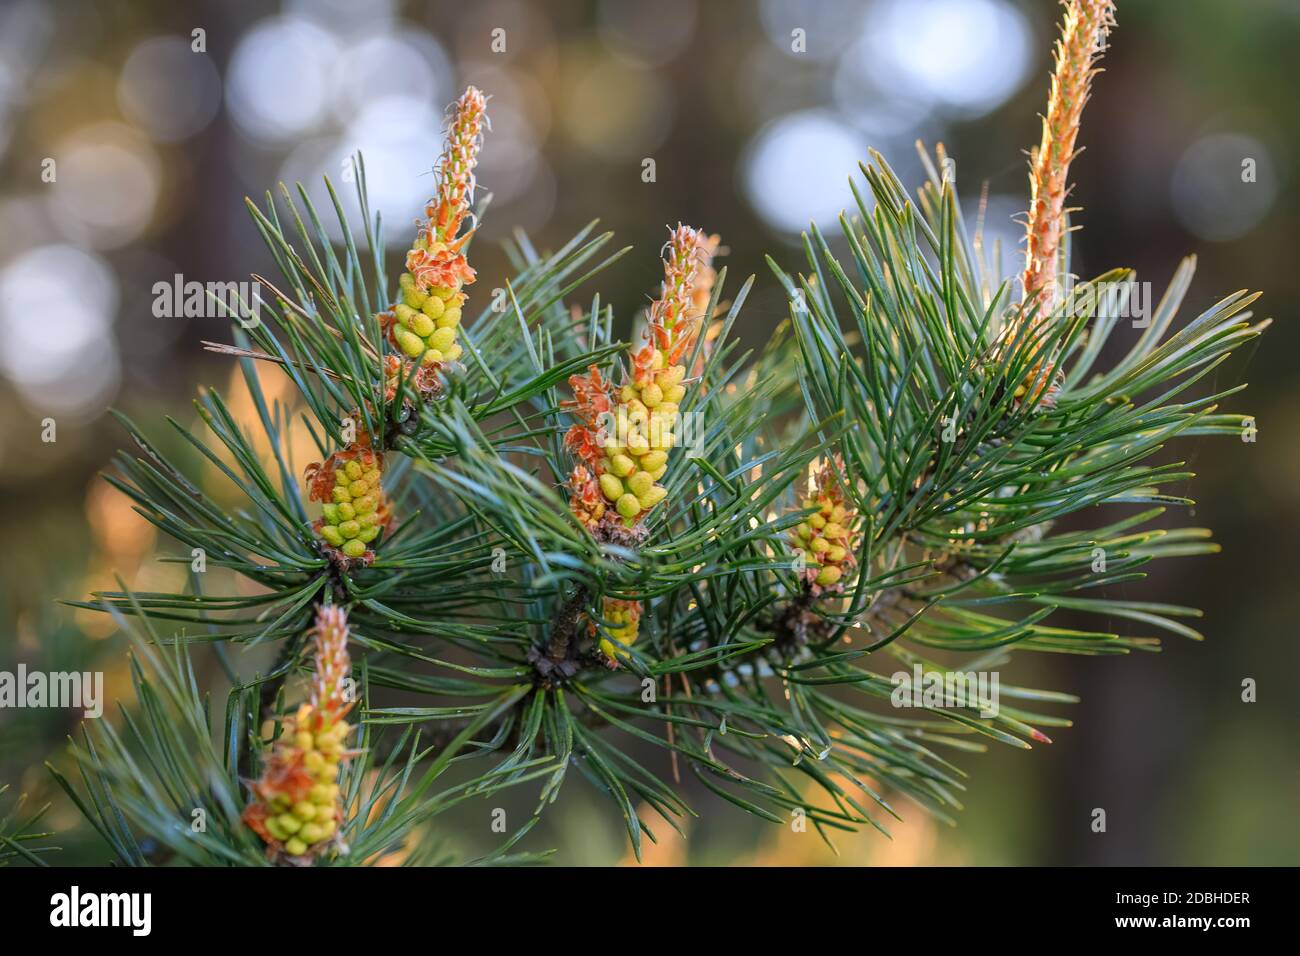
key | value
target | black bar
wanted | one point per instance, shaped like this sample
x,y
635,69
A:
x,y
343,904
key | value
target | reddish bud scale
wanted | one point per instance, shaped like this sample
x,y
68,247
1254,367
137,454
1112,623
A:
x,y
585,499
591,404
423,378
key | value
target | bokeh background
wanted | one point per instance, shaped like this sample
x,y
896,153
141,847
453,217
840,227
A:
x,y
155,145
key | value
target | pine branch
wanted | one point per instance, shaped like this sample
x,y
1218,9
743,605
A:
x,y
880,488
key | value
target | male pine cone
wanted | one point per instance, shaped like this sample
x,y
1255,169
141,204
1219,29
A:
x,y
827,537
296,807
423,324
635,453
354,509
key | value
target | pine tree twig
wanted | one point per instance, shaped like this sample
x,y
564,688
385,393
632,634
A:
x,y
559,660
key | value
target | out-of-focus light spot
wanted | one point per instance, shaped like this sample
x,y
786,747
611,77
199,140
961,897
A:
x,y
25,28
119,533
108,182
507,167
512,89
797,169
530,209
122,543
888,116
168,90
313,159
506,31
1223,186
25,31
769,86
343,15
965,57
828,25
878,115
10,94
411,64
279,80
618,111
649,33
27,223
399,139
277,387
66,363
